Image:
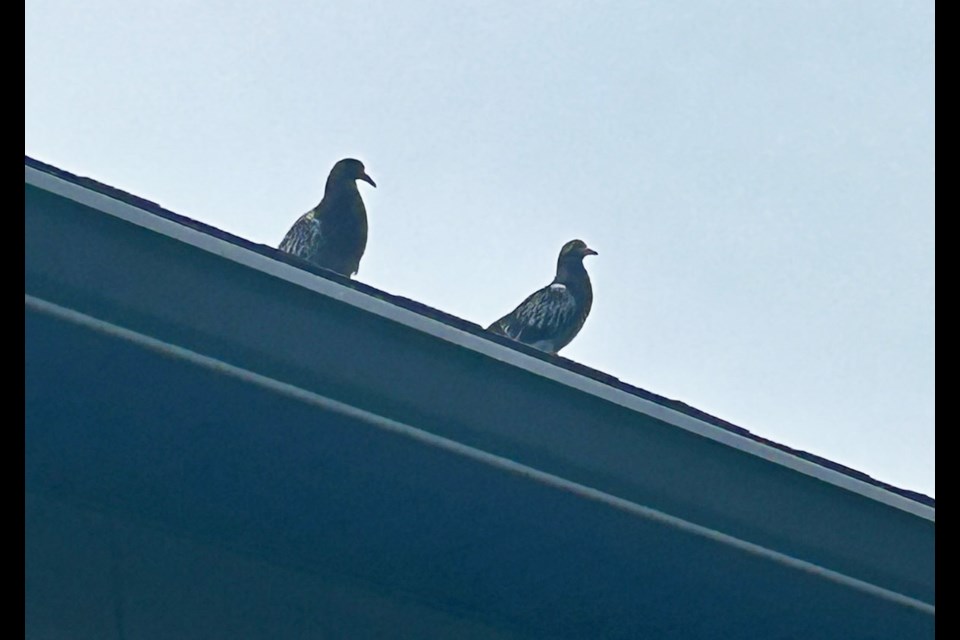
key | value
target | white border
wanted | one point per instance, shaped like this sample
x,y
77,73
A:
x,y
438,329
505,464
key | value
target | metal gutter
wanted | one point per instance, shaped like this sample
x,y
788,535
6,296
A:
x,y
299,394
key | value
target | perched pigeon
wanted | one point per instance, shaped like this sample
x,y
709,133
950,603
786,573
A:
x,y
550,318
333,234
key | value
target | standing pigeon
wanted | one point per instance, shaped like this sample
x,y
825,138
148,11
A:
x,y
551,317
333,234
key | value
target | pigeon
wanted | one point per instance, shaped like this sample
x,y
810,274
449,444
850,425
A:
x,y
551,317
333,234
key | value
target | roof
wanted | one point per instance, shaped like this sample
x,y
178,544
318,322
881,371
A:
x,y
463,325
249,428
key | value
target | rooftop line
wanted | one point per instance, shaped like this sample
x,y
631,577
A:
x,y
142,218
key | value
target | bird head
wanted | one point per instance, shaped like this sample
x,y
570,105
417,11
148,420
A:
x,y
577,250
347,171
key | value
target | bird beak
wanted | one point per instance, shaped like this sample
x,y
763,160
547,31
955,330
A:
x,y
366,178
589,252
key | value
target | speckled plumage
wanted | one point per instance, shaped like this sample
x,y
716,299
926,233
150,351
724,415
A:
x,y
551,317
333,235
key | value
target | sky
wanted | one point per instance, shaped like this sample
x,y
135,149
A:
x,y
757,176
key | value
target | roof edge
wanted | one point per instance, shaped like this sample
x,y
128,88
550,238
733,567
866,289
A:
x,y
149,215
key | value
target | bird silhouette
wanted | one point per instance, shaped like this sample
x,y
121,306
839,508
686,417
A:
x,y
551,317
333,234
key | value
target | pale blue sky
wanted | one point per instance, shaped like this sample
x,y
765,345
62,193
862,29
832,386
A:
x,y
757,175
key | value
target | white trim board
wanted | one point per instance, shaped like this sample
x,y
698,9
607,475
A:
x,y
251,259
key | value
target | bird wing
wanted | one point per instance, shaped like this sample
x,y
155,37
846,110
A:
x,y
541,316
305,238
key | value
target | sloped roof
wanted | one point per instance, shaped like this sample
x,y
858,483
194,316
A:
x,y
469,327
